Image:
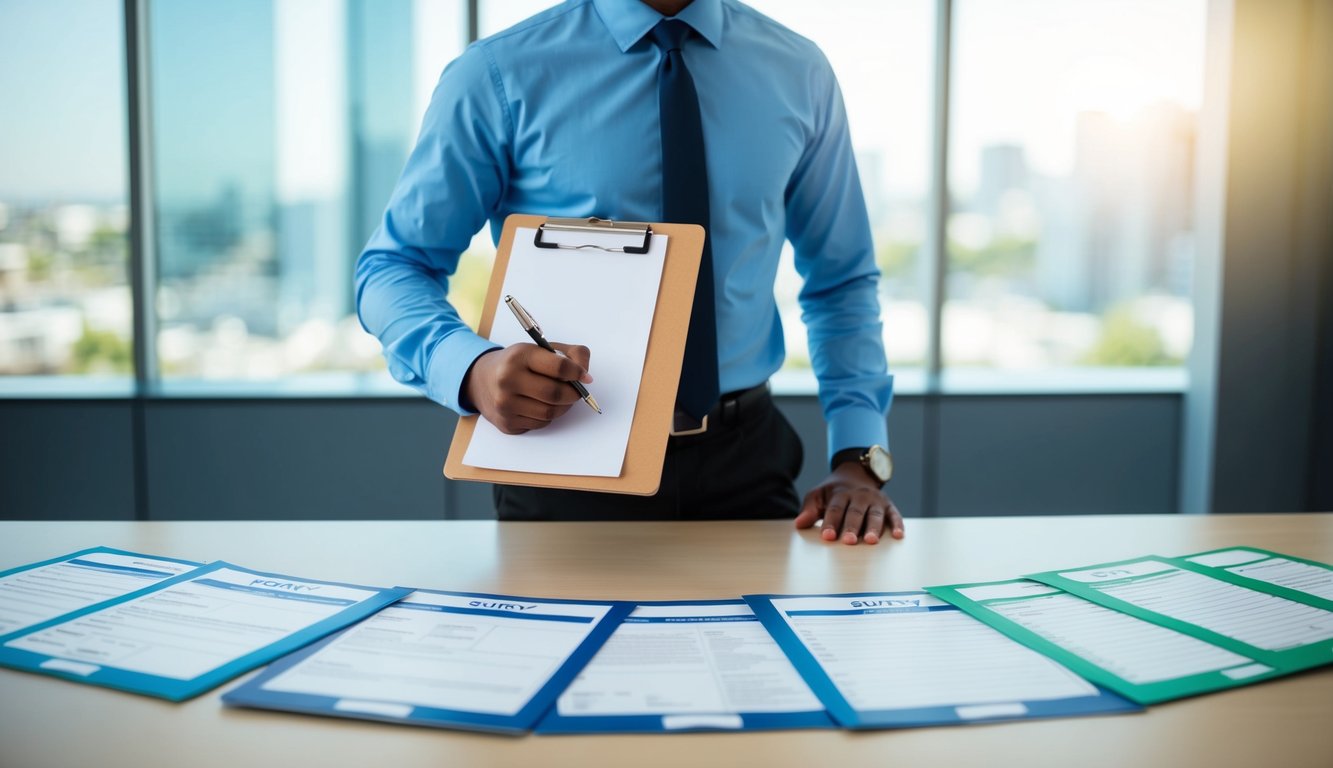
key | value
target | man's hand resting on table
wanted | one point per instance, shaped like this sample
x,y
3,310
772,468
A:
x,y
523,387
852,506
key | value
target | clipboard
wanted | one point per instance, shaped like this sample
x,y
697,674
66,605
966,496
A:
x,y
641,472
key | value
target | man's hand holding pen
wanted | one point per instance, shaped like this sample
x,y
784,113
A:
x,y
524,387
527,386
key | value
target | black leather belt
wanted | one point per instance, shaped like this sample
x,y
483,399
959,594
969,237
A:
x,y
729,409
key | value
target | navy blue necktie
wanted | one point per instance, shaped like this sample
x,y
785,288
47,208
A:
x,y
685,201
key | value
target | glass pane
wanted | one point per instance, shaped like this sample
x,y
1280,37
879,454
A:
x,y
498,15
65,305
1071,235
279,129
883,56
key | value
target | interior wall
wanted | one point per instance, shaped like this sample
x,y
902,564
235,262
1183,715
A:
x,y
312,459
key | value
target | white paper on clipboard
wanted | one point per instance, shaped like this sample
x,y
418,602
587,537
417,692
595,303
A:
x,y
601,299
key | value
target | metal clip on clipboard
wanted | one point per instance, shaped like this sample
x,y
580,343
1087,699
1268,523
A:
x,y
592,224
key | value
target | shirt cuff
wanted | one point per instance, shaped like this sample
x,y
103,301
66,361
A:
x,y
449,363
856,427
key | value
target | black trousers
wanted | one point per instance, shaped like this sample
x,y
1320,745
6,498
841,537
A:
x,y
742,469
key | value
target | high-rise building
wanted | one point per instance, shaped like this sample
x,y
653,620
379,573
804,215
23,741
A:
x,y
1004,169
280,128
1121,225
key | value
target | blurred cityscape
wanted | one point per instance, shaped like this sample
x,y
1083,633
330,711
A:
x,y
64,300
1089,269
257,229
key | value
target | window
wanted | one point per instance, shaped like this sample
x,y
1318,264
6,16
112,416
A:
x,y
1071,155
882,54
498,15
279,130
65,306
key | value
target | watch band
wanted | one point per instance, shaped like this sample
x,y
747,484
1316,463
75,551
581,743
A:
x,y
846,455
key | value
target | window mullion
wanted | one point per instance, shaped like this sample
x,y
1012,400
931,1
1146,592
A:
x,y
143,277
936,249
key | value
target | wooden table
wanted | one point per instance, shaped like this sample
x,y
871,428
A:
x,y
51,722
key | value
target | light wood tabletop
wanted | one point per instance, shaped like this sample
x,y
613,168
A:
x,y
49,722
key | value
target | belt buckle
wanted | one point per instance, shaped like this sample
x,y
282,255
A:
x,y
699,430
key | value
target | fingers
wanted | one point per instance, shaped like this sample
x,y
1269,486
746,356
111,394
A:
x,y
881,516
896,527
874,524
524,387
540,412
811,509
531,372
578,354
850,514
834,511
853,519
571,364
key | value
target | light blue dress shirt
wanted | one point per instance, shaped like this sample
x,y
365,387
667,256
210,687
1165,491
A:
x,y
558,115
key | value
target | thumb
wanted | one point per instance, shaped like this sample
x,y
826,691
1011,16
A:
x,y
811,509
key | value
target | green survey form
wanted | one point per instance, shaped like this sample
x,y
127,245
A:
x,y
1305,581
1220,608
1140,660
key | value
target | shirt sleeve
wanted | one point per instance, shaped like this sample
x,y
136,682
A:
x,y
829,228
453,181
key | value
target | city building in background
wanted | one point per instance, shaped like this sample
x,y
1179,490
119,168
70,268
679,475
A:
x,y
1070,231
279,130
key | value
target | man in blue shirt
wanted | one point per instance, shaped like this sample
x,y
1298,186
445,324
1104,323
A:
x,y
560,115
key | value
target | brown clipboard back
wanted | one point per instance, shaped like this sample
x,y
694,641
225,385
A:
x,y
642,471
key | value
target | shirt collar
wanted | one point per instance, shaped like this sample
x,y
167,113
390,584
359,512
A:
x,y
629,20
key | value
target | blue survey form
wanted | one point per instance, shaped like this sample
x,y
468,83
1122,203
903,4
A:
x,y
899,659
687,666
37,592
184,635
445,659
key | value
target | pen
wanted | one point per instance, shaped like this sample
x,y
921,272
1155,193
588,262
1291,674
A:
x,y
535,331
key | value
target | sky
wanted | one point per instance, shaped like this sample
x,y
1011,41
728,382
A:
x,y
62,96
1022,70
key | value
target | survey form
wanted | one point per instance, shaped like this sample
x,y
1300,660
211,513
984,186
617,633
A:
x,y
1137,659
687,665
445,659
1305,581
34,593
899,659
187,634
1273,630
590,296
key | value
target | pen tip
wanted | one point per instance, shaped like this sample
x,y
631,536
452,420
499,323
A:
x,y
593,403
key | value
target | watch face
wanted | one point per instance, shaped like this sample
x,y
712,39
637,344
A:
x,y
879,462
